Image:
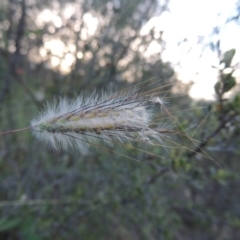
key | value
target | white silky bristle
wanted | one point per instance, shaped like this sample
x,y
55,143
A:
x,y
114,117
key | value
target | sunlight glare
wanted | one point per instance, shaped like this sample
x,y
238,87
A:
x,y
91,23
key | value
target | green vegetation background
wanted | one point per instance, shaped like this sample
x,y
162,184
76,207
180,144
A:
x,y
103,195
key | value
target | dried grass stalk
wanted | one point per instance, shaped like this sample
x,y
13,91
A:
x,y
124,116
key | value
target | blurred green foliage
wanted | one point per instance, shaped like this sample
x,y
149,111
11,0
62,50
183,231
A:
x,y
172,192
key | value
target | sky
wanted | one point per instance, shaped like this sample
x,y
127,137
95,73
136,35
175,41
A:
x,y
187,25
195,21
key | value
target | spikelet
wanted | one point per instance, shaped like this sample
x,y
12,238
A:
x,y
124,116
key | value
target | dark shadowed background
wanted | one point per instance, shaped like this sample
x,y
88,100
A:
x,y
191,191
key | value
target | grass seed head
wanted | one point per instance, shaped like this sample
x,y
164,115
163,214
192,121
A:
x,y
124,116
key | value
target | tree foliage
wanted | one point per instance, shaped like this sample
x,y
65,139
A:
x,y
189,190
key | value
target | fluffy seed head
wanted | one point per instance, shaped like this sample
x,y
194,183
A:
x,y
108,117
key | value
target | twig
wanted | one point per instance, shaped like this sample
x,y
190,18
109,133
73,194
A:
x,y
214,133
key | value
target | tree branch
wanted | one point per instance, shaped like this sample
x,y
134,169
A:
x,y
222,125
